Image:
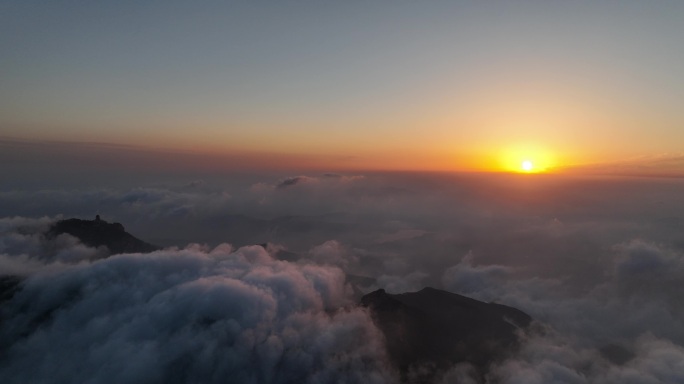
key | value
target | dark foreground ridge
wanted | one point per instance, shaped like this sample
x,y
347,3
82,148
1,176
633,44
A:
x,y
431,330
96,233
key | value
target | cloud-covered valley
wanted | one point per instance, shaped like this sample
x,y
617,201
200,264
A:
x,y
597,263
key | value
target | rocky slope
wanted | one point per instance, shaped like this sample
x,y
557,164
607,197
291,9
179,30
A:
x,y
437,329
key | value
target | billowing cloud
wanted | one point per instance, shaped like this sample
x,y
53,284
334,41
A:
x,y
189,315
26,248
636,307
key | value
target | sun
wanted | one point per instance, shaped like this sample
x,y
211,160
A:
x,y
519,158
527,166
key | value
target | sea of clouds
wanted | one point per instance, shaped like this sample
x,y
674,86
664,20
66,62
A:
x,y
197,314
598,262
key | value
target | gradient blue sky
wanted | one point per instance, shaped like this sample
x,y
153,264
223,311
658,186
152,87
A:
x,y
431,85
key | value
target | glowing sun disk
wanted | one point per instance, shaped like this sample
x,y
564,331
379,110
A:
x,y
527,166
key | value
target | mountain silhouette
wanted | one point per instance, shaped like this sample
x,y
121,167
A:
x,y
435,329
96,233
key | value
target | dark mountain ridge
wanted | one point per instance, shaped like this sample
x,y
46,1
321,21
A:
x,y
96,233
437,329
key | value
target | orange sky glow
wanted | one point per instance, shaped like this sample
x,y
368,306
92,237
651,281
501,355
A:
x,y
434,87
